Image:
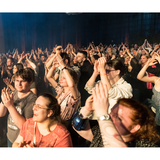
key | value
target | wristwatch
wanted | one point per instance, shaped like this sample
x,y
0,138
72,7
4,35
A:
x,y
104,117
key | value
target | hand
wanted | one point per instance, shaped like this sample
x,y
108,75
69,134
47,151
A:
x,y
6,97
151,61
58,49
102,63
6,81
60,61
26,145
100,99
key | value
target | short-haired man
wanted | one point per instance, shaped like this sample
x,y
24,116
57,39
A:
x,y
86,70
19,104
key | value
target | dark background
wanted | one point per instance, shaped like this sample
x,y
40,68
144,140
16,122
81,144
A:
x,y
32,30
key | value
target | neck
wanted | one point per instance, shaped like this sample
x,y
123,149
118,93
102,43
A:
x,y
127,138
43,126
22,94
113,81
66,89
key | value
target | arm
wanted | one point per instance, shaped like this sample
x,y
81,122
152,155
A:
x,y
3,110
103,74
141,76
91,81
72,86
8,103
110,136
86,111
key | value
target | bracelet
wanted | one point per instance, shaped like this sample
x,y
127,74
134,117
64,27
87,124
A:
x,y
64,68
53,68
78,122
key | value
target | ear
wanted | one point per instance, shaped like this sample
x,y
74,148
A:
x,y
118,72
50,112
135,128
84,59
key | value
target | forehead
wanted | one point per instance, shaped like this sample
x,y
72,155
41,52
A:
x,y
19,78
79,54
42,100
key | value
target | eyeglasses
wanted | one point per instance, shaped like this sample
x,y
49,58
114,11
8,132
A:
x,y
39,107
107,70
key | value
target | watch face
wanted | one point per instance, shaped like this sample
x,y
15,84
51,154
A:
x,y
104,117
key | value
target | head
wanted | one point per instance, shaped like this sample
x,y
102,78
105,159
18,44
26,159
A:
x,y
109,50
81,57
22,80
133,118
9,62
17,67
115,68
43,58
65,58
144,59
63,81
126,58
46,108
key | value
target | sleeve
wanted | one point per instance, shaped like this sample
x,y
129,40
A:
x,y
23,129
119,91
89,88
28,112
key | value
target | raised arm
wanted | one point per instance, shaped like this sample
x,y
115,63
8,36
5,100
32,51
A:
x,y
110,136
7,99
140,76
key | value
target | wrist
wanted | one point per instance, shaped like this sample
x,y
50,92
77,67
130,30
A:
x,y
85,112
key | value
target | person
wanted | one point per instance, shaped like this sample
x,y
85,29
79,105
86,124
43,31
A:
x,y
111,74
7,81
44,129
130,123
67,92
156,89
19,104
10,64
86,70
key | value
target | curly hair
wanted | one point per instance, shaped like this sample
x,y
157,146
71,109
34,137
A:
x,y
144,117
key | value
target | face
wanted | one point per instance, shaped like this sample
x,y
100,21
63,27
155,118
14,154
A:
x,y
9,62
14,69
121,118
111,73
43,58
21,85
127,59
109,50
144,59
63,81
40,111
79,57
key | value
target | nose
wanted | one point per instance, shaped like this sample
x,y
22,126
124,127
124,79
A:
x,y
34,107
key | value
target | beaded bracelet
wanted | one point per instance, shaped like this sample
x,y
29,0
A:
x,y
103,74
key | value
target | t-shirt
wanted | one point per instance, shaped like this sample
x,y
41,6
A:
x,y
59,137
24,107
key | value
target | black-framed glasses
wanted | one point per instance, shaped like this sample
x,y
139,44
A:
x,y
109,70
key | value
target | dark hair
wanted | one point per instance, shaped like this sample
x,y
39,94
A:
x,y
65,56
19,66
32,73
24,74
144,117
74,75
83,52
117,65
54,106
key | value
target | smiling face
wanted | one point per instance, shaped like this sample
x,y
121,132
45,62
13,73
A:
x,y
40,110
22,85
63,81
14,69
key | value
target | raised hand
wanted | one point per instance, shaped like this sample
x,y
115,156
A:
x,y
100,99
6,97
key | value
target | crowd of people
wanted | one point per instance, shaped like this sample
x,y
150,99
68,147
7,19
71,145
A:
x,y
94,96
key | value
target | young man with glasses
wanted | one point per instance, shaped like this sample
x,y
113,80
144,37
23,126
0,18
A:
x,y
19,104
